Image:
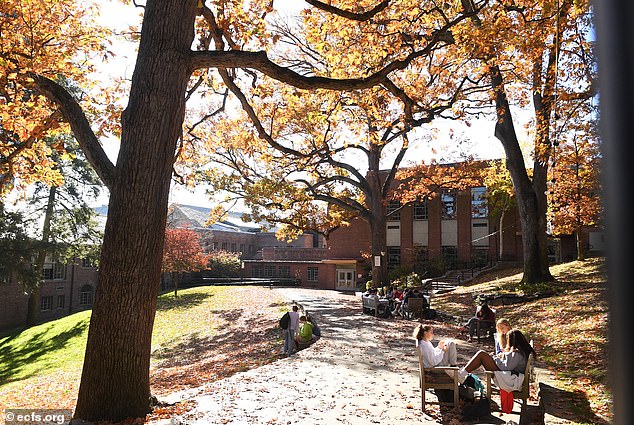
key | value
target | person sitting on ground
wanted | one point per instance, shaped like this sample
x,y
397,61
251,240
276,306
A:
x,y
305,335
513,360
443,354
483,313
316,329
503,327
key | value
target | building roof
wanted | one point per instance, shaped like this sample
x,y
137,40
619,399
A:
x,y
196,218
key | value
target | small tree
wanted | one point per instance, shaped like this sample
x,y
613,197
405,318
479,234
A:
x,y
501,197
574,194
17,249
68,228
182,253
224,263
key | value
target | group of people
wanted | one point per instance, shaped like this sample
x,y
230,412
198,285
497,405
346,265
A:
x,y
397,299
301,330
512,350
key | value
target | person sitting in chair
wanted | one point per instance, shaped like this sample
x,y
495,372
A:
x,y
514,360
305,335
443,354
484,313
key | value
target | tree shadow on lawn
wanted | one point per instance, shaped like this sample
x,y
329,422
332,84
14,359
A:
x,y
182,302
241,343
13,359
568,405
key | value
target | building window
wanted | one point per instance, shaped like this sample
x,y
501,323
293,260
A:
x,y
225,246
257,271
479,207
242,248
312,274
86,263
422,254
53,270
46,303
214,245
269,270
285,271
420,210
393,256
86,295
448,199
393,210
233,247
450,256
61,301
479,256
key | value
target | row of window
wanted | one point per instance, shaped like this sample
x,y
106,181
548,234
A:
x,y
85,299
448,253
479,206
54,270
231,247
270,270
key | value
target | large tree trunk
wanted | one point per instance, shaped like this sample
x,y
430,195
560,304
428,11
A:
x,y
377,231
580,253
532,208
115,377
501,235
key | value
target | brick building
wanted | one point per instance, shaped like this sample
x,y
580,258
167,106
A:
x,y
450,230
66,289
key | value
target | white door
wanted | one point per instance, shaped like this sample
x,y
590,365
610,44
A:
x,y
345,280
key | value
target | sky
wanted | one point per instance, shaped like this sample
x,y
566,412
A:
x,y
480,134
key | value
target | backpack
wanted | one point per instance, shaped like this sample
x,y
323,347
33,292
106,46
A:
x,y
479,409
285,320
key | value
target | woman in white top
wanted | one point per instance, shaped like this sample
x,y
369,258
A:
x,y
443,354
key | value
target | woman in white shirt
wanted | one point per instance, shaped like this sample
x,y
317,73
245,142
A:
x,y
443,354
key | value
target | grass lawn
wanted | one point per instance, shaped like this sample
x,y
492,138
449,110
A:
x,y
41,366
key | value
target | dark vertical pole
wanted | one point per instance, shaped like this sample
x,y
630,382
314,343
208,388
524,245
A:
x,y
615,38
72,286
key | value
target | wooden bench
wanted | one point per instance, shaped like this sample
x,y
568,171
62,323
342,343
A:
x,y
372,304
437,378
522,394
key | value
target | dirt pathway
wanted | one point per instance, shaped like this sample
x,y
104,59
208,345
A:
x,y
361,371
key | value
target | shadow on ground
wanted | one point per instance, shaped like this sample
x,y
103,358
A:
x,y
181,302
13,359
567,405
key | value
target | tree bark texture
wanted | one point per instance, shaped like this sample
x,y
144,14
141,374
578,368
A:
x,y
532,215
115,377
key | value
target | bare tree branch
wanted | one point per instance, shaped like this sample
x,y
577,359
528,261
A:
x,y
347,14
74,115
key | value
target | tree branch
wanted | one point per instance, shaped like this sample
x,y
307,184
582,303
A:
x,y
74,115
261,62
350,15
